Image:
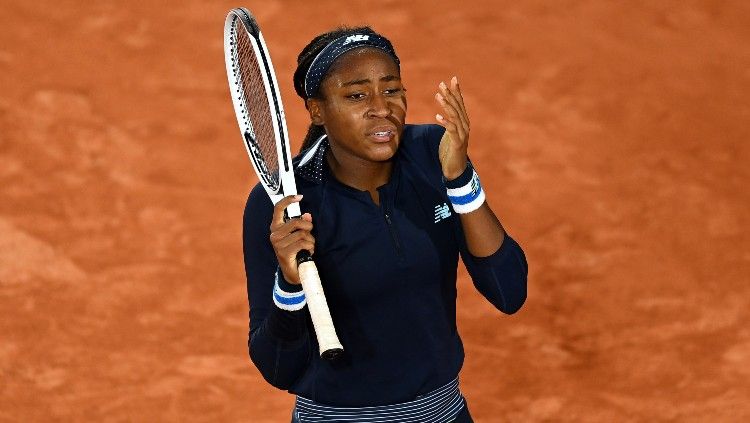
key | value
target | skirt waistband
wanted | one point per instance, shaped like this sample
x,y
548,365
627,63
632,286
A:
x,y
439,406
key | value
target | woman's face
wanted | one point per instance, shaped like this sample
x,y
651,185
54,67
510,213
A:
x,y
362,105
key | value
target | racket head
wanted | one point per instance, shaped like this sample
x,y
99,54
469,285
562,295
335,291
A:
x,y
257,103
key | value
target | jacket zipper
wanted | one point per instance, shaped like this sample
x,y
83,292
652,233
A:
x,y
392,230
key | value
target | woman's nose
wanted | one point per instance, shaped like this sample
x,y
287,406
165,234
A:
x,y
379,106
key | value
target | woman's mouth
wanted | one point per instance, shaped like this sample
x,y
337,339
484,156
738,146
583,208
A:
x,y
384,135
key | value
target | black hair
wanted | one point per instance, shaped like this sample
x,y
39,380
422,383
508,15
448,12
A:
x,y
305,59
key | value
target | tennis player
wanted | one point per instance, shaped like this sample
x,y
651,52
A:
x,y
390,207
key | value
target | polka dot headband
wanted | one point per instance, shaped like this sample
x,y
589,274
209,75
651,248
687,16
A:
x,y
323,61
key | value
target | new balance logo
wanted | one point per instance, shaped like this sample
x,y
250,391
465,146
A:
x,y
442,212
474,184
355,38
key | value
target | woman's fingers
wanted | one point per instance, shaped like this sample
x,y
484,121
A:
x,y
451,100
294,238
286,253
456,91
452,96
451,110
292,231
452,125
278,210
290,226
289,236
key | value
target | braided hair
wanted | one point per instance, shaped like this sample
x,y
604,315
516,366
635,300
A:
x,y
305,59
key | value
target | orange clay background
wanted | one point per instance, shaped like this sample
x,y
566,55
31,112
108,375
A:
x,y
612,138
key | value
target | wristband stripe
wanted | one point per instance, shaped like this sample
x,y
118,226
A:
x,y
471,206
290,301
465,199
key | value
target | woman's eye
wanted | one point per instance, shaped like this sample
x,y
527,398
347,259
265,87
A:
x,y
355,96
391,91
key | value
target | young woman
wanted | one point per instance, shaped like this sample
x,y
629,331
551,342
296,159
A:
x,y
390,207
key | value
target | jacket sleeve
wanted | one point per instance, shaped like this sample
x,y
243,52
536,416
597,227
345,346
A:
x,y
500,277
279,341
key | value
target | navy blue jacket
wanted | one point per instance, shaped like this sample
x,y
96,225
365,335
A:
x,y
389,274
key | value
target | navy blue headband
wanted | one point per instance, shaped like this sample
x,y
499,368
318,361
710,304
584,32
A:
x,y
323,61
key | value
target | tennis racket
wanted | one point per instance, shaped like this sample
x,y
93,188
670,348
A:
x,y
260,115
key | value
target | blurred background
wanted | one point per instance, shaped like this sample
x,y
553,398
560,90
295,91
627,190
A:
x,y
612,138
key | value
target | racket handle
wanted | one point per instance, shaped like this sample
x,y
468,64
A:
x,y
328,341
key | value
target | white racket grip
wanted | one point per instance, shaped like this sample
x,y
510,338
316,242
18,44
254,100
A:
x,y
318,307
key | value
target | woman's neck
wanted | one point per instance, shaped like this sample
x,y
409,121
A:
x,y
359,173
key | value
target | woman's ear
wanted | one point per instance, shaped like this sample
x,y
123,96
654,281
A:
x,y
316,111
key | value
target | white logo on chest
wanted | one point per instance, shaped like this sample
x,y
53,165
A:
x,y
442,212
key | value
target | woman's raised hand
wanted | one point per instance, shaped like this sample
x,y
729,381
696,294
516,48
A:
x,y
455,120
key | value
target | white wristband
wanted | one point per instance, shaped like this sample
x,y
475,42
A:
x,y
469,197
290,301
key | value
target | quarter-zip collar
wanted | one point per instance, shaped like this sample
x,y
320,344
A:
x,y
311,166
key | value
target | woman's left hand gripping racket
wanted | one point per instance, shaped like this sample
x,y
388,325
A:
x,y
257,104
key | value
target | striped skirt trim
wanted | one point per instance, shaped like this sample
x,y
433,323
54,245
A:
x,y
439,406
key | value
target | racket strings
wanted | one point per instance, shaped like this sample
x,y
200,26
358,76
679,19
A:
x,y
257,113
